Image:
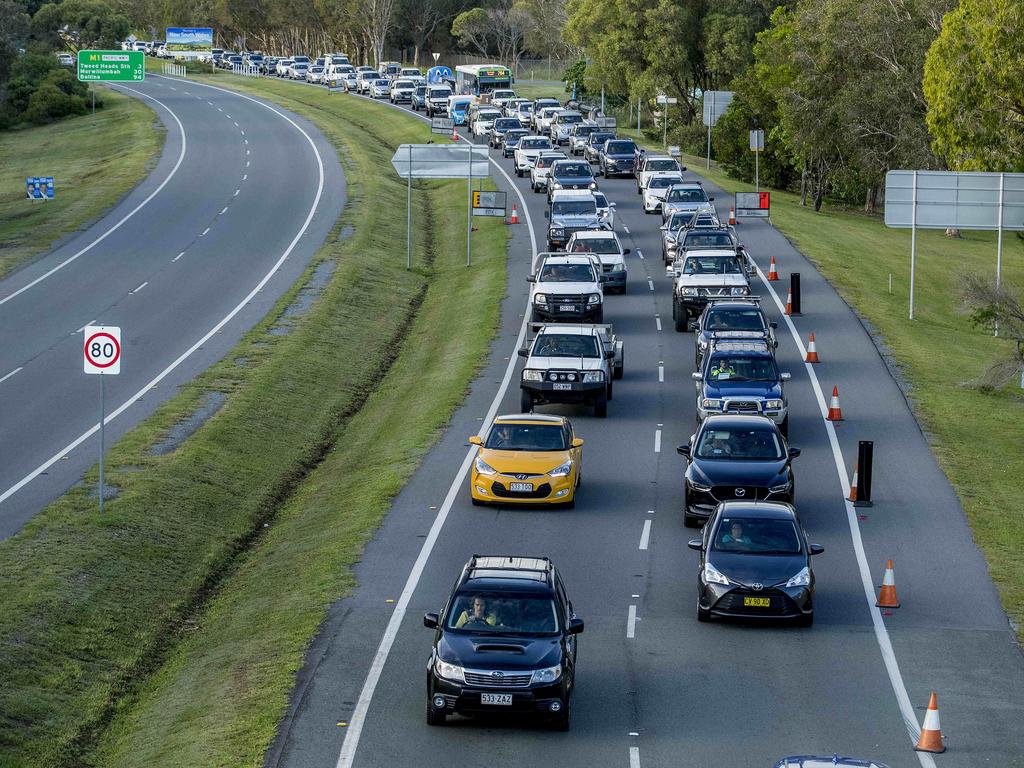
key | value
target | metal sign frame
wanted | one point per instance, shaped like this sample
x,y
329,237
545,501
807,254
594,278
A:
x,y
715,105
753,205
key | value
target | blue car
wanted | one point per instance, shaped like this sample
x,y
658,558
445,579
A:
x,y
458,109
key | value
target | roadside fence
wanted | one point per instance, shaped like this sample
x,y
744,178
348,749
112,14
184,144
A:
x,y
246,70
174,70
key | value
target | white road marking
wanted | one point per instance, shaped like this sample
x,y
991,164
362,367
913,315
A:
x,y
136,209
173,88
229,117
236,193
347,754
5,378
203,233
247,151
245,140
645,535
245,175
631,623
91,322
625,229
650,511
223,210
650,283
881,633
243,132
634,755
143,285
657,321
219,109
661,374
178,256
657,441
213,331
209,102
639,253
246,163
187,93
235,122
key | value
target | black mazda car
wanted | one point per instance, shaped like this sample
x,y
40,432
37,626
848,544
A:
x,y
505,641
735,458
755,562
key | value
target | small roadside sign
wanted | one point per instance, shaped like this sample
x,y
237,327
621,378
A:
x,y
39,187
102,349
333,86
757,141
489,203
442,125
663,99
111,66
753,205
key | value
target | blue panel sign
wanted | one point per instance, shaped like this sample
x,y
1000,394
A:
x,y
39,187
189,40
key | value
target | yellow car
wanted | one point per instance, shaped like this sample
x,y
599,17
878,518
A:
x,y
527,459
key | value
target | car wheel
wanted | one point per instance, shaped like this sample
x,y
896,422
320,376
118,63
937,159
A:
x,y
620,368
563,720
519,172
622,290
703,616
601,408
806,620
525,401
784,427
690,521
435,717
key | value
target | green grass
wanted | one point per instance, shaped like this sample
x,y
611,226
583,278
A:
x,y
93,166
168,631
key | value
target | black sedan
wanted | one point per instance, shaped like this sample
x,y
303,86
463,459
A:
x,y
755,561
735,458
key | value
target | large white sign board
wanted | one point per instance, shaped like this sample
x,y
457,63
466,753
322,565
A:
x,y
946,199
441,161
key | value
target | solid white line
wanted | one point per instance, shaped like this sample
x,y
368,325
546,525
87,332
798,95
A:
x,y
143,285
625,229
203,233
661,374
881,633
639,253
657,441
657,322
209,334
634,757
645,535
631,623
136,209
223,210
358,718
650,283
178,256
5,378
247,162
236,193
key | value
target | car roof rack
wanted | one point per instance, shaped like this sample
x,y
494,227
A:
x,y
509,564
740,345
752,299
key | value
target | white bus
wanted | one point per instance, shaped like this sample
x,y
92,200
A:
x,y
475,79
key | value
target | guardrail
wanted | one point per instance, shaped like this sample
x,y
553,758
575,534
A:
x,y
246,70
174,70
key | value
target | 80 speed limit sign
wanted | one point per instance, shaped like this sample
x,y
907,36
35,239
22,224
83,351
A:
x,y
102,349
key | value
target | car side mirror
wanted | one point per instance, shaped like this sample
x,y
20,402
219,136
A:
x,y
663,227
577,442
711,199
773,324
575,626
524,352
626,252
612,205
815,549
531,278
794,452
695,544
785,376
476,440
697,376
430,620
684,450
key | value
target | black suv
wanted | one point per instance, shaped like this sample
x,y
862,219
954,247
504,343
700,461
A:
x,y
505,641
737,318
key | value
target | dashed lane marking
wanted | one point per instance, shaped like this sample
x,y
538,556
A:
x,y
661,374
657,441
645,535
143,285
657,322
650,283
223,210
631,623
178,256
203,233
634,756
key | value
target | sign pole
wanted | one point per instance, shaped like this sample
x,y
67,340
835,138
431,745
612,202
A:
x,y
103,430
757,170
999,241
664,125
408,215
913,242
638,117
469,208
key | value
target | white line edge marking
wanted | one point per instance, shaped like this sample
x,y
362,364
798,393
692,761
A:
x,y
661,374
5,378
634,756
657,441
645,535
213,331
178,256
625,229
347,754
132,212
657,322
91,322
143,285
203,233
899,688
631,623
650,283
639,253
236,192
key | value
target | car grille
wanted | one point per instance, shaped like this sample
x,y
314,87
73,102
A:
x,y
507,680
741,406
566,299
723,291
733,602
747,493
572,376
540,492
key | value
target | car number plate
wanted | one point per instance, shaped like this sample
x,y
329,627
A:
x,y
522,487
757,602
567,387
566,308
504,699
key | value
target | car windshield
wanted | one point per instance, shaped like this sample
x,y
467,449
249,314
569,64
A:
x,y
574,169
381,83
620,148
599,245
602,201
735,320
567,273
371,75
526,437
744,444
707,239
421,90
501,613
677,220
660,165
503,95
566,345
525,108
403,84
585,130
574,208
536,143
756,536
662,182
459,104
684,195
506,123
570,119
712,265
440,93
736,367
600,138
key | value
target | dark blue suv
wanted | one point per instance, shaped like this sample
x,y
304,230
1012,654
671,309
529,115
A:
x,y
505,641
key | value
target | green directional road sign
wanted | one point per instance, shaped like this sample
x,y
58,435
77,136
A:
x,y
117,66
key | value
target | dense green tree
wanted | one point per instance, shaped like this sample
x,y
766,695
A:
x,y
79,24
472,29
974,84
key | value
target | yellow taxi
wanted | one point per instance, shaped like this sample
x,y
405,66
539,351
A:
x,y
527,459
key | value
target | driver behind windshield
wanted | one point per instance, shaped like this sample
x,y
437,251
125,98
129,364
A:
x,y
476,615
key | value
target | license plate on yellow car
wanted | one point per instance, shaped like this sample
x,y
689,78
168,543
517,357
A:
x,y
521,487
757,602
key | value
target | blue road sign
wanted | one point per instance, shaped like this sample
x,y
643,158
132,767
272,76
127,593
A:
x,y
39,187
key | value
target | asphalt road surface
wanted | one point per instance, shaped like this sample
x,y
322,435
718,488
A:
x,y
242,197
664,690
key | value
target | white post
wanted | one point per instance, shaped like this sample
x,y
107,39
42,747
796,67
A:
x,y
469,207
709,148
602,99
408,216
757,167
638,117
999,242
913,242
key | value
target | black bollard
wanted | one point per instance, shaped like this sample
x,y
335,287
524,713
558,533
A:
x,y
794,288
865,452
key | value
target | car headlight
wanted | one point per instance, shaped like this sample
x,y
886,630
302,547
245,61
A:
x,y
740,290
773,405
801,579
450,671
712,575
556,185
548,675
709,403
532,375
700,487
619,266
780,488
593,185
689,291
594,298
592,376
540,298
557,231
562,470
483,468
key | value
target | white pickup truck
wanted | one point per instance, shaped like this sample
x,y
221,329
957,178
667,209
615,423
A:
x,y
700,275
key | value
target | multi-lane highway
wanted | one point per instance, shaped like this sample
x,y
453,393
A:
x,y
243,195
654,687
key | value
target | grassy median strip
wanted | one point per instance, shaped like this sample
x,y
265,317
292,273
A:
x,y
168,631
94,164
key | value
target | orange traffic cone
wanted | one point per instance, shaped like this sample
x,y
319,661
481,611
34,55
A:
x,y
835,413
887,592
931,733
773,275
853,485
732,215
514,218
455,132
812,351
789,302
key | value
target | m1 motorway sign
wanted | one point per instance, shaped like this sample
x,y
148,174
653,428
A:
x,y
112,66
102,349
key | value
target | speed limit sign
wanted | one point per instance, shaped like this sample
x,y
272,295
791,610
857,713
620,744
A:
x,y
102,349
